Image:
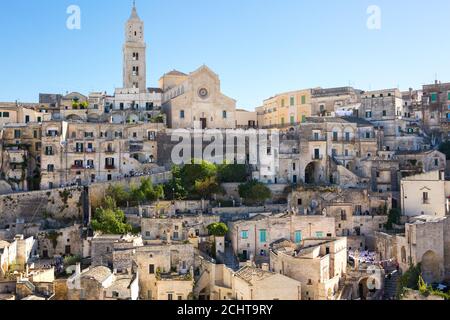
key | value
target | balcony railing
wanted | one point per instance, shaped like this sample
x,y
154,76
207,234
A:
x,y
315,157
110,167
321,138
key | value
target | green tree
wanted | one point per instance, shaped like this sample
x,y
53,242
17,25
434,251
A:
x,y
393,218
146,192
119,194
110,220
232,173
254,193
193,172
410,279
174,189
207,187
218,229
445,149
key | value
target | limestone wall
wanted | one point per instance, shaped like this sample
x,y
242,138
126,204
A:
x,y
59,204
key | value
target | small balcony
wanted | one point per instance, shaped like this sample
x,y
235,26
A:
x,y
110,167
317,157
77,167
319,138
110,150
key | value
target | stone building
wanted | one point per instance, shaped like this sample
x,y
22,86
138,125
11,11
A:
x,y
21,148
425,194
84,153
246,119
436,114
251,238
99,283
218,282
426,241
114,251
165,271
285,109
177,228
325,102
17,113
134,54
356,212
60,242
196,98
318,264
385,109
251,283
417,162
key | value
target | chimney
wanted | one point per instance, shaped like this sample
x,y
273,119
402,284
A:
x,y
78,269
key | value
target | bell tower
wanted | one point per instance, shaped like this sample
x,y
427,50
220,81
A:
x,y
134,49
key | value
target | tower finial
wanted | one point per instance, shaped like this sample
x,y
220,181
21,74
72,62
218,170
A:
x,y
134,3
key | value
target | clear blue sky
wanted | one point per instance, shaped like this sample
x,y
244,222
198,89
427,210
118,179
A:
x,y
258,47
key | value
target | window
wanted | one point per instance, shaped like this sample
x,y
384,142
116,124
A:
x,y
319,234
368,114
347,136
292,120
135,56
115,294
244,234
151,269
27,119
17,134
135,71
436,162
282,103
170,296
180,297
50,168
292,101
48,151
182,114
304,99
224,114
384,113
433,97
425,198
298,236
5,114
335,136
263,236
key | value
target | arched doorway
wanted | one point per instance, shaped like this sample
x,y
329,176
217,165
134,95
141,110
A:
x,y
310,173
366,286
430,267
403,253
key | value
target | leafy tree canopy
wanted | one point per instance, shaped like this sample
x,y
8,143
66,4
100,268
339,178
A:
x,y
109,219
218,229
254,193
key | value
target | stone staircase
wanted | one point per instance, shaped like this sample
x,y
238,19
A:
x,y
391,281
